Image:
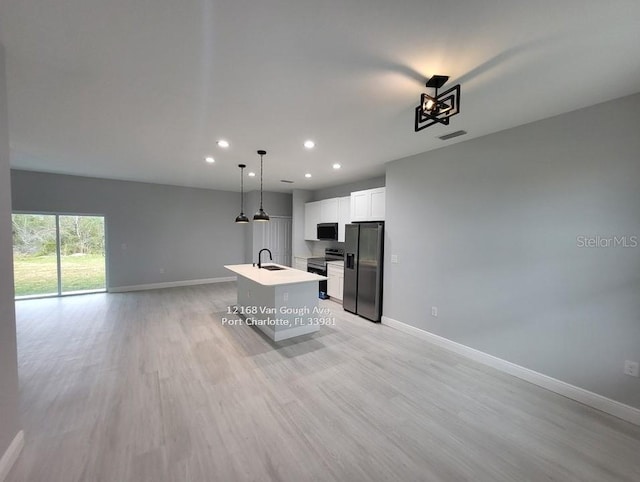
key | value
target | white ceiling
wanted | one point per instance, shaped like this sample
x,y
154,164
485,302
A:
x,y
142,89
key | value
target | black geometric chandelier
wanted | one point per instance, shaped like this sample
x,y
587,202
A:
x,y
437,108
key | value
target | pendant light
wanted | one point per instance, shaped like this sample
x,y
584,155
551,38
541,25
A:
x,y
260,215
242,218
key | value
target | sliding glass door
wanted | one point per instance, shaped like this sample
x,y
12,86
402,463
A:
x,y
35,258
82,261
58,254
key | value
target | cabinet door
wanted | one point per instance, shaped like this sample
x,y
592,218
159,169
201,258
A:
x,y
335,282
333,286
360,206
300,263
311,220
368,205
344,215
329,210
377,204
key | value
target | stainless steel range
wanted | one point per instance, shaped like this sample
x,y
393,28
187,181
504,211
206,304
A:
x,y
319,266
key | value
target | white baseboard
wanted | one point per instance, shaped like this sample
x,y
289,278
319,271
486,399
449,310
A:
x,y
604,404
11,455
170,284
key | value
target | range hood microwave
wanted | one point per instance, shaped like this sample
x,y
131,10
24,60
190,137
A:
x,y
328,231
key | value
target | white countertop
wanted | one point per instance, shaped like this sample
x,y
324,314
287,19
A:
x,y
287,276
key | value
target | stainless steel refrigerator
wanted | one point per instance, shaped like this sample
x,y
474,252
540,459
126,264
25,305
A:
x,y
363,255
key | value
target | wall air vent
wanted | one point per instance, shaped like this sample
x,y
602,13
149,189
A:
x,y
446,137
286,181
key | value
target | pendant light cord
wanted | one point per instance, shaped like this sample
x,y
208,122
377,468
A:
x,y
261,181
242,190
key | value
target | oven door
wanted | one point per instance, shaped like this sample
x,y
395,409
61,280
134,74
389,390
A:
x,y
322,285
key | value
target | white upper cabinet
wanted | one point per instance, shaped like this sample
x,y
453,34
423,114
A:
x,y
377,204
325,211
368,205
344,215
360,206
329,210
312,213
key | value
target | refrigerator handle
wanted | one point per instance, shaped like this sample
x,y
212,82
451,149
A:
x,y
349,264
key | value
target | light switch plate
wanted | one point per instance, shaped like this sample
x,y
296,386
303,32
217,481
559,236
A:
x,y
394,258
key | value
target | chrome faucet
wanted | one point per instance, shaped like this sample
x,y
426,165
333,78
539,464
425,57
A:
x,y
260,254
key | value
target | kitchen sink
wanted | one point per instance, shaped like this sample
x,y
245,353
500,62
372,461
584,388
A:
x,y
273,268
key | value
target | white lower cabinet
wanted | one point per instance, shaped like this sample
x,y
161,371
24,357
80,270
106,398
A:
x,y
300,263
335,283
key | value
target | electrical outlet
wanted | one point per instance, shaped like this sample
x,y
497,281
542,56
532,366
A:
x,y
434,311
161,270
394,258
285,296
632,368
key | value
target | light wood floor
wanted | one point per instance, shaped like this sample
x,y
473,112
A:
x,y
150,386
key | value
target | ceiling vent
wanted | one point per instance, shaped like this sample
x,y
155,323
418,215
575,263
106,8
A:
x,y
446,137
286,181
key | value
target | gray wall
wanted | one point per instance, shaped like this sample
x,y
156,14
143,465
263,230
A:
x,y
274,203
486,230
9,417
190,233
347,189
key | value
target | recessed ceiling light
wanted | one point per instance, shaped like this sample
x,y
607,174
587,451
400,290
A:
x,y
223,143
337,166
307,175
309,144
252,174
210,160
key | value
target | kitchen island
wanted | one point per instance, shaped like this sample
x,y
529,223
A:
x,y
282,303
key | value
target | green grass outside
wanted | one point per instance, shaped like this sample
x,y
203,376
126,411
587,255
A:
x,y
37,275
